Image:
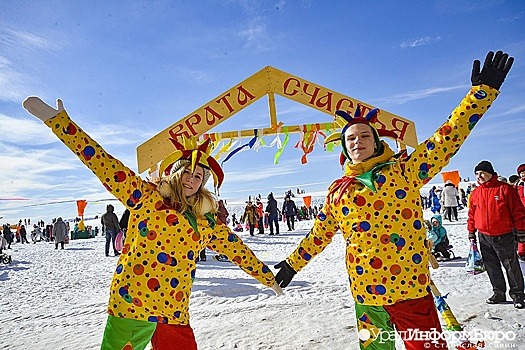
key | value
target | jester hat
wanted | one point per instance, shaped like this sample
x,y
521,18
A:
x,y
345,120
189,151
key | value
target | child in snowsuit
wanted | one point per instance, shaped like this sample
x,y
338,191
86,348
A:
x,y
438,235
170,223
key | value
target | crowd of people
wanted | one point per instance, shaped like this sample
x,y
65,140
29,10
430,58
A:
x,y
39,232
256,215
58,231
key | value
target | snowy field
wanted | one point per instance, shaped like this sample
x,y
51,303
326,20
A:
x,y
54,299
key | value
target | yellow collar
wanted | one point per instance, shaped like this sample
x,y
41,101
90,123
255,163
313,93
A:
x,y
363,167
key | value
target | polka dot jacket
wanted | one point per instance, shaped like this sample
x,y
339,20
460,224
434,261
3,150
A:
x,y
376,206
155,272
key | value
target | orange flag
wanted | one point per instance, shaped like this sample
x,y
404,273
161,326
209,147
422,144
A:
x,y
307,201
452,176
81,205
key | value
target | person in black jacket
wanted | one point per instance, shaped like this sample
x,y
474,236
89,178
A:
x,y
23,234
290,210
273,214
8,235
123,223
111,227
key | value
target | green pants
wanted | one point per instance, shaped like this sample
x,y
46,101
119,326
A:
x,y
372,323
126,334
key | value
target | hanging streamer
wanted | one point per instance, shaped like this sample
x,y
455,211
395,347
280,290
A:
x,y
280,149
308,139
260,141
226,148
238,149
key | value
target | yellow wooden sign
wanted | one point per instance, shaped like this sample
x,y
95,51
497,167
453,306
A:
x,y
266,82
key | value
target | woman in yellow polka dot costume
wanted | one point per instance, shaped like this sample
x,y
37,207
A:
x,y
169,224
376,207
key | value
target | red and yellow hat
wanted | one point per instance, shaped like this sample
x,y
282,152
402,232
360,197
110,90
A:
x,y
190,151
344,120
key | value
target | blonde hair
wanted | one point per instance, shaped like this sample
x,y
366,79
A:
x,y
202,202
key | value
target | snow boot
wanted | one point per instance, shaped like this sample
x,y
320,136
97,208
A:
x,y
496,298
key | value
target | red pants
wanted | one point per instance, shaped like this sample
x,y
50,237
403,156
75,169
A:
x,y
173,337
128,334
417,313
378,325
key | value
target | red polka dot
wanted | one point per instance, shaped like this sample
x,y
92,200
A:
x,y
406,213
138,269
422,279
395,269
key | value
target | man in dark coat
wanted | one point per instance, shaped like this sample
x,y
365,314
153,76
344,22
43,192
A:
x,y
8,235
60,232
290,210
273,214
111,227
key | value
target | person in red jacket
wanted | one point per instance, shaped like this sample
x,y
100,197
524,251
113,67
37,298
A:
x,y
260,213
498,216
520,186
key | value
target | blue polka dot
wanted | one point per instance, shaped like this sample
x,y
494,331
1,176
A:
x,y
474,118
162,258
480,94
380,289
401,242
416,258
400,194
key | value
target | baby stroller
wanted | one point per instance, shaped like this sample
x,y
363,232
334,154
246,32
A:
x,y
4,258
440,257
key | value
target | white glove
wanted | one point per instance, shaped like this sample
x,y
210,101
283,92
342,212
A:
x,y
35,106
277,289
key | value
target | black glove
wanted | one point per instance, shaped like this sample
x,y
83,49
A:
x,y
520,236
494,70
285,274
472,237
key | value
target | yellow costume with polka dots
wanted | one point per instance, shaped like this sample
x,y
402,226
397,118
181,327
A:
x,y
155,272
377,207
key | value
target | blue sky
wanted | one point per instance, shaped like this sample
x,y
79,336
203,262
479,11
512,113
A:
x,y
127,70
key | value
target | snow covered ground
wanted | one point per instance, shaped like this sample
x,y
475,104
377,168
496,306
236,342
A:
x,y
54,299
